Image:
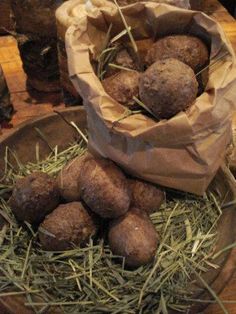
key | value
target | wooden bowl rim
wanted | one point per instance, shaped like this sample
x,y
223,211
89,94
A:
x,y
9,304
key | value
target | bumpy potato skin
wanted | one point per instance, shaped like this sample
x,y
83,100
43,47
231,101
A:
x,y
33,197
134,237
189,49
167,87
123,86
146,196
68,225
68,179
104,188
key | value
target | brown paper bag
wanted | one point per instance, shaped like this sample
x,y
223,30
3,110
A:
x,y
66,15
183,152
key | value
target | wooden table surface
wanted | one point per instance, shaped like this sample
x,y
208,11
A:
x,y
29,104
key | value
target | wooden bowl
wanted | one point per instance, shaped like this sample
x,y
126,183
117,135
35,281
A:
x,y
23,140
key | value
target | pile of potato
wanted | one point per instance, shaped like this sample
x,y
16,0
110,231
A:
x,y
164,75
87,192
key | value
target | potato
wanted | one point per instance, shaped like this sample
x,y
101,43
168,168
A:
x,y
146,196
134,237
104,188
167,87
122,86
33,197
67,226
188,49
68,179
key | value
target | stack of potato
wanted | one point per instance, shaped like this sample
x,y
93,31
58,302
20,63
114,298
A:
x,y
69,13
175,73
87,192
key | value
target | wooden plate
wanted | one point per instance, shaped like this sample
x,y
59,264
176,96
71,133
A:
x,y
23,141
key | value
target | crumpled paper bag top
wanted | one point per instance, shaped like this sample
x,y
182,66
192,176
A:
x,y
73,10
183,152
70,11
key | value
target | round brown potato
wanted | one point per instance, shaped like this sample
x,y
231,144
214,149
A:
x,y
189,49
123,86
67,226
167,87
134,237
68,179
33,197
146,196
104,188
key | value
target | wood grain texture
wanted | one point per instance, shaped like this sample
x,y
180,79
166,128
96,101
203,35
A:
x,y
29,104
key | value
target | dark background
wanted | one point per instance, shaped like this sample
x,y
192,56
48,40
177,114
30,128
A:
x,y
230,6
